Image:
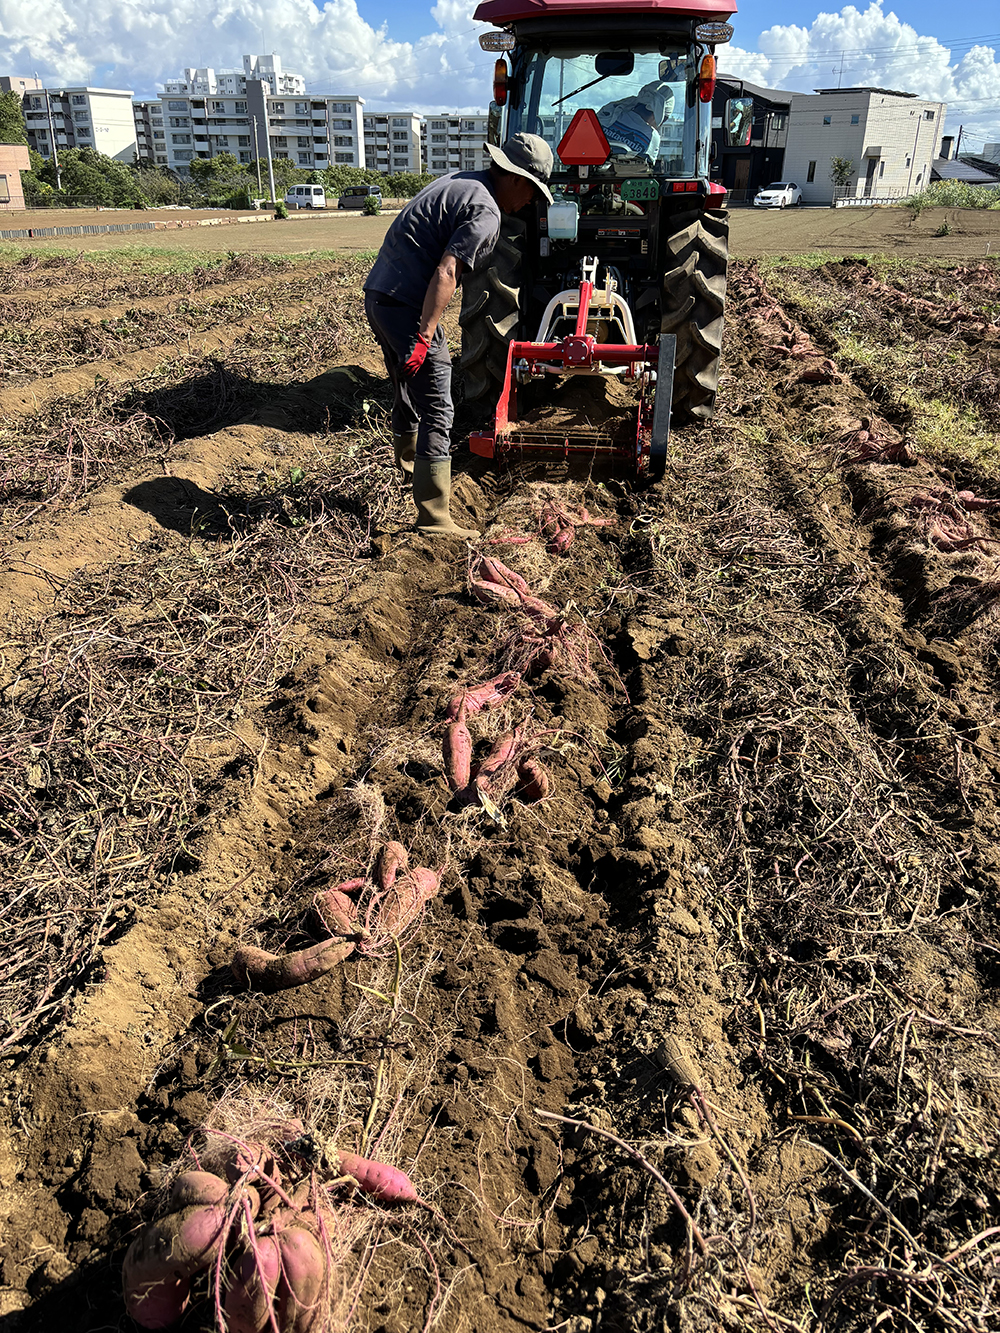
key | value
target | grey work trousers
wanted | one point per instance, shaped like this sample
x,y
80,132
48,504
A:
x,y
423,403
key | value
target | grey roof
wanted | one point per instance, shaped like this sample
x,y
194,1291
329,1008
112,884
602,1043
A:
x,y
945,170
888,92
755,90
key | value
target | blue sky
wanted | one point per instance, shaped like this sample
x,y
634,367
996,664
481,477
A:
x,y
424,55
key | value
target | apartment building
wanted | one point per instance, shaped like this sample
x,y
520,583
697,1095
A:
x,y
891,139
392,141
454,143
233,82
11,84
98,118
150,134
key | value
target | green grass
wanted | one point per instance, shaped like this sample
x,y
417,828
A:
x,y
147,259
952,194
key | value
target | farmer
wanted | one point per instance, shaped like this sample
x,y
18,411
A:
x,y
631,125
450,226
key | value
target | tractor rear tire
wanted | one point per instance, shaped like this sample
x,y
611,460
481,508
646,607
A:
x,y
693,307
490,314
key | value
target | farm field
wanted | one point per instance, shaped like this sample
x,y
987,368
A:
x,y
707,1037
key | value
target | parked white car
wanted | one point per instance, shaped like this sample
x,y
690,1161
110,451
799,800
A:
x,y
779,194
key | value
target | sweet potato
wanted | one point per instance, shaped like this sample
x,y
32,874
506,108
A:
x,y
161,1261
386,1183
482,696
249,1161
497,758
456,752
270,972
338,914
407,899
193,1188
390,861
495,571
494,594
562,541
250,1298
543,659
533,781
540,611
304,1279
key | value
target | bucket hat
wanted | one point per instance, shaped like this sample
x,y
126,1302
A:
x,y
526,155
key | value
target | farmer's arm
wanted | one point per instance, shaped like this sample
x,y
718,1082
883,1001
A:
x,y
440,290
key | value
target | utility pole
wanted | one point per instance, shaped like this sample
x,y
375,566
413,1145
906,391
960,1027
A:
x,y
52,132
913,155
958,143
256,153
267,140
840,76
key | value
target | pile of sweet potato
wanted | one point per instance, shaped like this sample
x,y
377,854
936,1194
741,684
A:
x,y
268,1223
396,900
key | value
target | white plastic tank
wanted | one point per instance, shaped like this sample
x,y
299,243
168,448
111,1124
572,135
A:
x,y
564,219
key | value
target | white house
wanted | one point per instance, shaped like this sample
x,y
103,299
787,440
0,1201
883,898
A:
x,y
890,138
100,118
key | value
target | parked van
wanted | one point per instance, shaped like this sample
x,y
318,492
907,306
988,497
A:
x,y
306,196
355,197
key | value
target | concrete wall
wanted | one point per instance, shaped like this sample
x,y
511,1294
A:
x,y
900,137
13,160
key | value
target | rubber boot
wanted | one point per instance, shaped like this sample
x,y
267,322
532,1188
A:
x,y
432,496
405,449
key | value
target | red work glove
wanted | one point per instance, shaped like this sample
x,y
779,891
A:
x,y
418,353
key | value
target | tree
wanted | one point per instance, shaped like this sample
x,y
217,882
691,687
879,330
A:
x,y
841,170
12,128
405,184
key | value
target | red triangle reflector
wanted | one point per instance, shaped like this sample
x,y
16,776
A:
x,y
584,144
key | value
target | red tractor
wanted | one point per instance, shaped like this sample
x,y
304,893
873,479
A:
x,y
624,275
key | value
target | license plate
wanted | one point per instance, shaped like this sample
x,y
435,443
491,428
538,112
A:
x,y
641,190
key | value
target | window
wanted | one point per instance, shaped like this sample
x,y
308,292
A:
x,y
78,100
928,115
80,115
907,162
303,157
84,132
400,134
179,122
399,121
881,170
811,173
161,157
400,162
343,141
158,134
343,157
243,140
4,191
468,124
439,124
245,156
277,108
218,106
180,138
439,138
827,120
302,108
184,155
855,120
177,106
343,125
239,107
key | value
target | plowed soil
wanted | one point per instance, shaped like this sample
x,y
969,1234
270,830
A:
x,y
747,948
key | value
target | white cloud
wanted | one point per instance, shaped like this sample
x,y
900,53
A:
x,y
139,43
877,50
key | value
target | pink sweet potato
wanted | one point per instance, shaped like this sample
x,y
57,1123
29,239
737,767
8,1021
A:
x,y
390,861
533,781
304,1280
497,758
494,594
192,1188
338,914
482,696
407,900
456,751
270,972
562,541
161,1261
543,659
492,570
540,611
386,1183
249,1303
